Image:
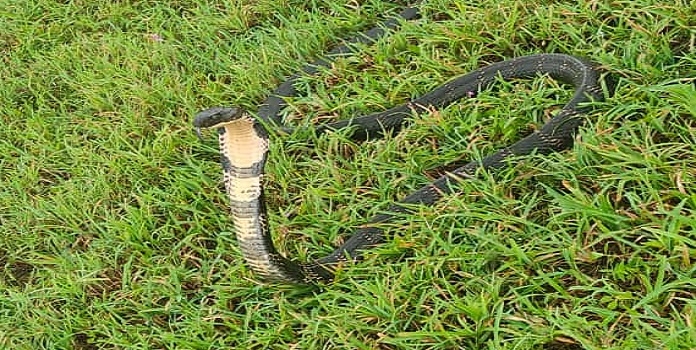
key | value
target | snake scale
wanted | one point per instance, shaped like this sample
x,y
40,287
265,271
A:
x,y
244,150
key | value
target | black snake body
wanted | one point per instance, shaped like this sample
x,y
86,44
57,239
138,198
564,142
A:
x,y
244,150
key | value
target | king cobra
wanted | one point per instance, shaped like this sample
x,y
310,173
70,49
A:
x,y
244,144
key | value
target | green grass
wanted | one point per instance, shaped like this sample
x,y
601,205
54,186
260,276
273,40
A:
x,y
115,234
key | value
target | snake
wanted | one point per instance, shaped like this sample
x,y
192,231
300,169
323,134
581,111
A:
x,y
244,139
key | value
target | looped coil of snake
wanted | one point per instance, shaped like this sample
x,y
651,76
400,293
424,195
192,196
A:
x,y
244,149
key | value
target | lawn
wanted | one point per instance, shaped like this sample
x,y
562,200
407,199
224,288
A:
x,y
115,234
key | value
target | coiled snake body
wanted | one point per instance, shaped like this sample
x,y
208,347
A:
x,y
244,150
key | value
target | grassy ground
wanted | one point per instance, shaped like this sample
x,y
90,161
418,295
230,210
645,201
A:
x,y
115,235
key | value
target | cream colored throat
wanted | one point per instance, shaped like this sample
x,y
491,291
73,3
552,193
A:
x,y
240,143
244,149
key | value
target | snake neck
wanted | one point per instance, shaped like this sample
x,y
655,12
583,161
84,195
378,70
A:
x,y
244,148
